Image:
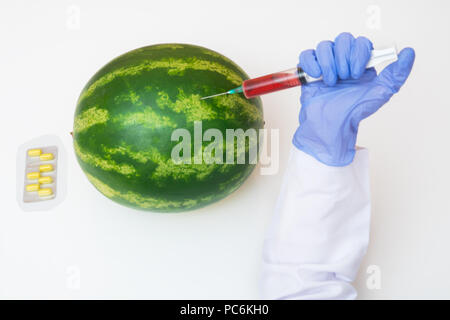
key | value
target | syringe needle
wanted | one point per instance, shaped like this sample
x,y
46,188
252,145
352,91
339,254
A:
x,y
214,95
232,91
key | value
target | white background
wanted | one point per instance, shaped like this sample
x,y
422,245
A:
x,y
90,247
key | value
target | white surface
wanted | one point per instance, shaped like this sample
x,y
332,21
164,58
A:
x,y
319,232
89,247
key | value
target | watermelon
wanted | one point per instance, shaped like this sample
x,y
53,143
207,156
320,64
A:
x,y
127,112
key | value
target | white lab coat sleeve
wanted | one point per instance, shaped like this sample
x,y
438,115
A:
x,y
320,230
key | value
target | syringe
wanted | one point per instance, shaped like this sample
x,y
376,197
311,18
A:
x,y
295,77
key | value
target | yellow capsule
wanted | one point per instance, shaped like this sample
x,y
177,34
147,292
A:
x,y
46,156
34,152
33,175
45,180
32,187
45,192
45,168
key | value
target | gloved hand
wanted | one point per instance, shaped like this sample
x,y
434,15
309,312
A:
x,y
332,108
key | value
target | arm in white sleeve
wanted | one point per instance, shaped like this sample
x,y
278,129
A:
x,y
320,230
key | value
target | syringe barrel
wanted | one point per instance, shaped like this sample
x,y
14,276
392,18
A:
x,y
273,82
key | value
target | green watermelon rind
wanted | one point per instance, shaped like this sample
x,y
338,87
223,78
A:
x,y
127,111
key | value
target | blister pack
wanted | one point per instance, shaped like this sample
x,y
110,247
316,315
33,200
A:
x,y
41,173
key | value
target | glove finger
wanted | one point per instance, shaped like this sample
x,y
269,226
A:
x,y
360,56
342,49
325,57
395,74
308,62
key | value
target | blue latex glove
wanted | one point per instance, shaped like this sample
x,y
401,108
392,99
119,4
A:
x,y
332,108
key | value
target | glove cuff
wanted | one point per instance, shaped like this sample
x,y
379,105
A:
x,y
323,155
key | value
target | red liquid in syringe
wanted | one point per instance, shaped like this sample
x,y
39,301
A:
x,y
270,83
